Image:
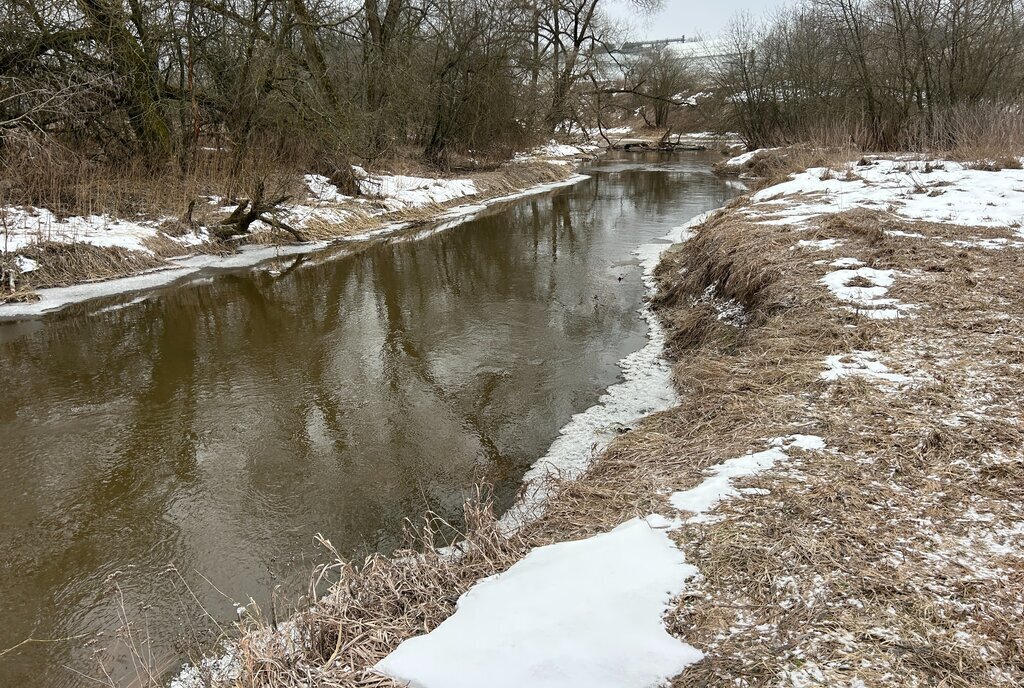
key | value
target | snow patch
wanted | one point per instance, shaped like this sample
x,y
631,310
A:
x,y
870,300
25,265
558,152
934,191
860,364
820,244
323,190
740,161
27,226
399,191
839,280
719,485
583,613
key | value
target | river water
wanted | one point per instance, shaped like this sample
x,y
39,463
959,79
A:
x,y
165,455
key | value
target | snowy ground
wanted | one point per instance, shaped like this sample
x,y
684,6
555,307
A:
x,y
559,153
582,613
929,191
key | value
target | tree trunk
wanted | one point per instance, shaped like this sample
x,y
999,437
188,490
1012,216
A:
x,y
131,60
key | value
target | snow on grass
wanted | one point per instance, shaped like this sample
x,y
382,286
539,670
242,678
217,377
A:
x,y
25,265
937,191
868,297
863,364
399,191
323,190
838,283
729,311
741,159
988,244
719,485
846,263
558,152
595,132
739,162
583,613
819,244
26,226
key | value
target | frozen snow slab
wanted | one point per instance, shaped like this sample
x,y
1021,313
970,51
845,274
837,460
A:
x,y
582,614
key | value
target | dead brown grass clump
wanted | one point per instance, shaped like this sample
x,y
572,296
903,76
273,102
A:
x,y
62,264
728,261
764,163
699,327
860,221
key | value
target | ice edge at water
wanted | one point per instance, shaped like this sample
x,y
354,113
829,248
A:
x,y
646,388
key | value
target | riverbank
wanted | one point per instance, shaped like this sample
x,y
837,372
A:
x,y
51,260
835,500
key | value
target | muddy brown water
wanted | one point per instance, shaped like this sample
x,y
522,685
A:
x,y
163,456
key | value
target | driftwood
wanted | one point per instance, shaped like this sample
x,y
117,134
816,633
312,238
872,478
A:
x,y
251,210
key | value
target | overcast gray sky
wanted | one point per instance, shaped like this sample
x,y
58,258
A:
x,y
688,17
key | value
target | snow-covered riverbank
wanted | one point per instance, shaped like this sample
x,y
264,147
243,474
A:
x,y
390,203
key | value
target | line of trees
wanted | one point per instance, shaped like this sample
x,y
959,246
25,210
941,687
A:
x,y
886,74
325,80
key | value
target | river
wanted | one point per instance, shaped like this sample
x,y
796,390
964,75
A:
x,y
167,456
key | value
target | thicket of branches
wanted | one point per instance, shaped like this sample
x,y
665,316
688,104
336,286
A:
x,y
161,82
883,74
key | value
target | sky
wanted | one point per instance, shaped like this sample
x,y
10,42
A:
x,y
709,18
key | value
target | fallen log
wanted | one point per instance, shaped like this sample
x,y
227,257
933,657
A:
x,y
251,210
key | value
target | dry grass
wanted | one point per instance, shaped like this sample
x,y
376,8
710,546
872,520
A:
x,y
861,564
63,264
38,171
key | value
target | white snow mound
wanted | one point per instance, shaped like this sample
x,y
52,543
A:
x,y
581,614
